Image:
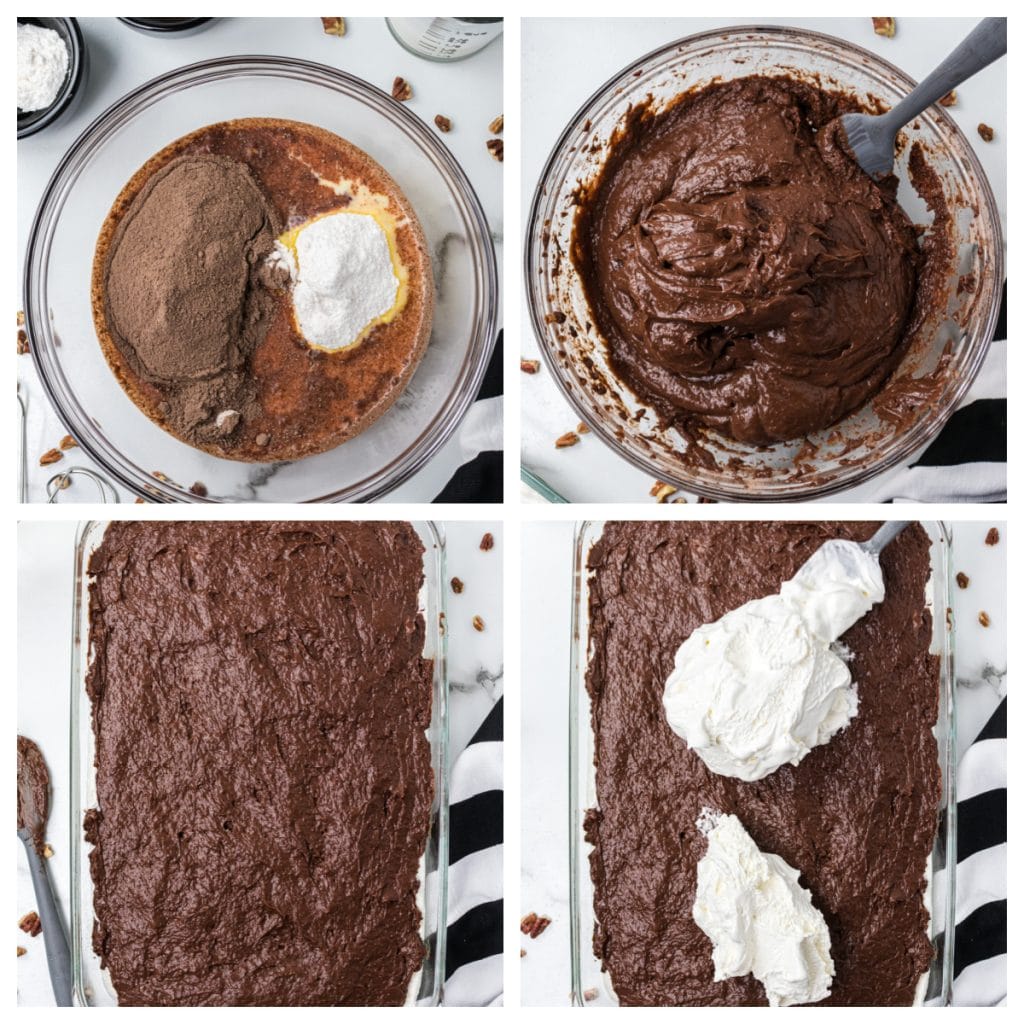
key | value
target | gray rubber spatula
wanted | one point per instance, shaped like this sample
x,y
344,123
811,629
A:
x,y
872,546
32,824
872,137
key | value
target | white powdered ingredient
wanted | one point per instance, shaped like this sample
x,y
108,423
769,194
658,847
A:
x,y
42,66
344,279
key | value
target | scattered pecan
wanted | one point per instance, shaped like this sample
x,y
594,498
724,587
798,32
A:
x,y
50,457
556,316
22,343
199,489
140,501
401,89
534,924
497,126
334,26
478,623
457,585
984,619
567,440
529,365
522,953
67,442
582,428
21,317
962,580
662,491
487,542
30,924
47,850
497,149
22,951
884,27
988,134
443,123
992,537
589,995
949,100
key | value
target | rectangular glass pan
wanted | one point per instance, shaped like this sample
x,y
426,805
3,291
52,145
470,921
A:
x,y
92,985
590,985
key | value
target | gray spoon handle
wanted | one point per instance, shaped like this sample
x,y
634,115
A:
x,y
886,532
986,43
55,937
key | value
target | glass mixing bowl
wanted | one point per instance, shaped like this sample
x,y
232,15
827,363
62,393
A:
x,y
859,446
58,263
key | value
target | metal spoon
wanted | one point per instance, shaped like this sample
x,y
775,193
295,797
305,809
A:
x,y
872,137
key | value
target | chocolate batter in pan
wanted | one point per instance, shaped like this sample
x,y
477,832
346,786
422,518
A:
x,y
857,816
746,275
259,701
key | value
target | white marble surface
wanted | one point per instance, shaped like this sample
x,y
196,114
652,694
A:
x,y
469,92
45,577
547,556
556,82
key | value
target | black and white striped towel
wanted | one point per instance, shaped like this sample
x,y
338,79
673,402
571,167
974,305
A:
x,y
979,949
473,971
479,437
967,461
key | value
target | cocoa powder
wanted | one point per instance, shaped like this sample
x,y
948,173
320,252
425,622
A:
x,y
186,298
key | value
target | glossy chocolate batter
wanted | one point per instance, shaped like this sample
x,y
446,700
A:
x,y
746,274
259,701
33,792
857,816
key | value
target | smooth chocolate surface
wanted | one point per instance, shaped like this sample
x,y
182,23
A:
x,y
746,275
857,816
259,701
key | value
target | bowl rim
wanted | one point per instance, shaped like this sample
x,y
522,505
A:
x,y
725,492
487,326
74,81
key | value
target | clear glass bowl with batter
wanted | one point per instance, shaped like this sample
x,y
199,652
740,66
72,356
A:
x,y
860,446
137,453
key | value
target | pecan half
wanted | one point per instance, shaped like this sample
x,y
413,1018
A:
x,y
497,126
401,89
487,542
50,457
992,537
497,149
30,924
962,580
567,440
988,134
949,100
457,585
529,365
67,442
884,27
443,123
984,619
478,623
334,26
662,491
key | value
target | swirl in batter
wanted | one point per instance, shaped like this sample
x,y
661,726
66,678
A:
x,y
746,274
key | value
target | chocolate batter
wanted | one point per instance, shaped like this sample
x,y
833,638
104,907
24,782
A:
x,y
857,816
33,792
259,701
198,326
746,274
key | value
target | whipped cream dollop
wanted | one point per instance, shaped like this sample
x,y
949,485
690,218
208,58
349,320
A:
x,y
760,919
762,687
343,277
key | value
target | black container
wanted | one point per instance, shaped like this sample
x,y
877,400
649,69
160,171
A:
x,y
167,26
73,87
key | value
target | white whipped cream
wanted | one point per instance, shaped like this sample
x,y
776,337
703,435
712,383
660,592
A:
x,y
761,687
343,278
760,919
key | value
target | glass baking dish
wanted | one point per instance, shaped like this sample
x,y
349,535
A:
x,y
860,445
131,448
91,984
590,985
